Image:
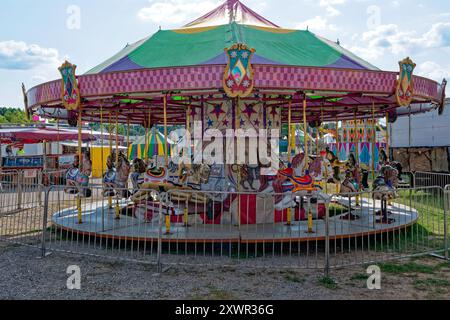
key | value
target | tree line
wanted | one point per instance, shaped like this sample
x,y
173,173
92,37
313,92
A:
x,y
13,115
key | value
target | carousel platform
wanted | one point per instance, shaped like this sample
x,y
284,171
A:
x,y
99,221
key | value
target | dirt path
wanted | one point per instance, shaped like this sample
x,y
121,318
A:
x,y
25,276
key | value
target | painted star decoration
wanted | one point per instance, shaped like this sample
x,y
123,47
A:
x,y
249,110
217,110
273,111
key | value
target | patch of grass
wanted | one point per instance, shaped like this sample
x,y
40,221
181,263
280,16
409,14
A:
x,y
410,267
293,278
328,283
337,209
219,294
431,283
360,276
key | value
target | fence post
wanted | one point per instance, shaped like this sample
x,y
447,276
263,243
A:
x,y
44,222
327,239
446,200
19,189
159,247
40,185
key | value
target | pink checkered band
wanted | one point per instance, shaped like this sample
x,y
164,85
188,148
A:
x,y
209,77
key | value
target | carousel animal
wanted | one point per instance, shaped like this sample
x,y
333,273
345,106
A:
x,y
116,177
384,189
336,165
320,168
298,164
286,184
137,174
384,161
77,180
352,184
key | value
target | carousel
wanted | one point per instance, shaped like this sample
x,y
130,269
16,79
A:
x,y
232,70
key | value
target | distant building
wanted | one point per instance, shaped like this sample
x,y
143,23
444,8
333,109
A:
x,y
425,144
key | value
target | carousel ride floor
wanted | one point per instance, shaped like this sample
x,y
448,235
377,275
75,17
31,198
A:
x,y
99,221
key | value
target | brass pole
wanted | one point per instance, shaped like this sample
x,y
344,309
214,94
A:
x,y
101,140
305,133
166,159
110,153
288,212
128,136
80,165
166,156
289,132
117,162
337,152
374,140
238,177
387,137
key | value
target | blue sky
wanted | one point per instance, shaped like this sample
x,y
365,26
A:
x,y
36,36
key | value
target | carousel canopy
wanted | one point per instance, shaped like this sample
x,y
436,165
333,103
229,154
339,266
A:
x,y
202,42
38,135
186,66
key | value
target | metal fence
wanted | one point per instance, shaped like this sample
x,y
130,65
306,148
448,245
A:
x,y
428,179
228,228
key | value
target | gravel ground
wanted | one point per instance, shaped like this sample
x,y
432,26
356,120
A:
x,y
25,276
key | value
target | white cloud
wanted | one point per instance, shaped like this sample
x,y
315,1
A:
x,y
389,38
330,6
322,22
176,11
317,23
433,71
18,55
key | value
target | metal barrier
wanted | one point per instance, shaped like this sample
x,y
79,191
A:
x,y
412,222
191,227
20,214
446,220
96,225
431,179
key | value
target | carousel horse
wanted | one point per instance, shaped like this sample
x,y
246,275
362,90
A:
x,y
137,175
352,183
384,161
384,189
336,165
116,177
320,168
286,184
78,180
247,174
298,164
298,184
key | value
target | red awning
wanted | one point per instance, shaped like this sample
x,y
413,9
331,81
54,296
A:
x,y
38,135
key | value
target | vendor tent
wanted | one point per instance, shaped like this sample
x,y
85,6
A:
x,y
38,135
148,146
